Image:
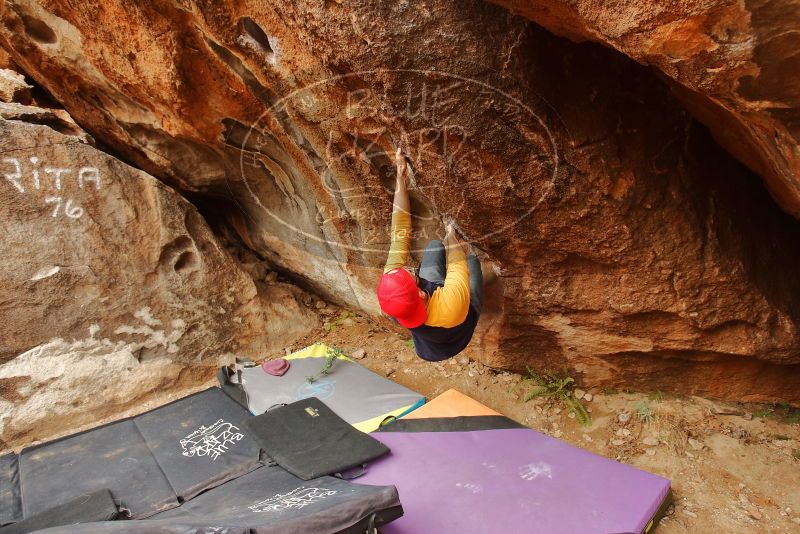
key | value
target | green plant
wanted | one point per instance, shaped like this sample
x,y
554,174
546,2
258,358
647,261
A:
x,y
644,412
792,417
762,413
331,355
657,396
336,323
781,411
559,388
410,343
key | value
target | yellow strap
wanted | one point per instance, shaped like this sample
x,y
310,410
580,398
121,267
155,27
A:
x,y
317,350
370,425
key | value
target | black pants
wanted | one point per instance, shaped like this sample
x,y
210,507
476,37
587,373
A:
x,y
434,269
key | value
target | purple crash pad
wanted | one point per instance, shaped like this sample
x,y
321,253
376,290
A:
x,y
511,481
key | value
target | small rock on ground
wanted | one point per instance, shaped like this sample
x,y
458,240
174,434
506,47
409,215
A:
x,y
753,512
696,444
358,354
405,357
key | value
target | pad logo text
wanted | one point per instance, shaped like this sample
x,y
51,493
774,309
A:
x,y
294,500
212,441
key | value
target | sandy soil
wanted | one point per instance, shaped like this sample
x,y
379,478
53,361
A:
x,y
733,467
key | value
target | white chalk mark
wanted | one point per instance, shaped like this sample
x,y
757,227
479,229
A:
x,y
86,174
57,178
57,201
90,174
45,272
535,470
35,173
16,177
74,212
469,486
147,318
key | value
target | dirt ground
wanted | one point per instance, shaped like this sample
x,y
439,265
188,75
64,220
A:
x,y
734,468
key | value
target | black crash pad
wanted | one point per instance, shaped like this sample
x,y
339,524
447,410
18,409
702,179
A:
x,y
114,456
268,500
307,439
199,441
96,506
150,462
10,503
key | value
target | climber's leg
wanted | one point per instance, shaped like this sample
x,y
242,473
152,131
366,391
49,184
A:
x,y
434,263
475,283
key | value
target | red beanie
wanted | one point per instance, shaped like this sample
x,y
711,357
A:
x,y
399,297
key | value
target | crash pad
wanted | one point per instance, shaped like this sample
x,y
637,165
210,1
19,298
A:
x,y
462,477
307,439
268,500
95,506
150,462
10,503
356,394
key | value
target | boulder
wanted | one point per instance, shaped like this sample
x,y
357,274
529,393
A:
x,y
5,61
115,290
733,64
618,238
13,87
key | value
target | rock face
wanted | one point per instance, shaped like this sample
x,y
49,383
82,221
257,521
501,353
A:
x,y
13,87
618,238
114,287
734,65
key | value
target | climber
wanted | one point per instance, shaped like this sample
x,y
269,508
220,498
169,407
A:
x,y
441,301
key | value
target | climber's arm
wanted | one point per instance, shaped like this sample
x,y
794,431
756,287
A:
x,y
449,305
401,218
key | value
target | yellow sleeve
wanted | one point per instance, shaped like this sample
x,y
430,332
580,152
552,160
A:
x,y
401,241
449,305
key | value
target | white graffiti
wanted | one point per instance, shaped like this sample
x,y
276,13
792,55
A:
x,y
73,212
535,470
211,441
52,178
294,500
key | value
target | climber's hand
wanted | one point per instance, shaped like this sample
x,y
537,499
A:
x,y
402,169
452,239
449,231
